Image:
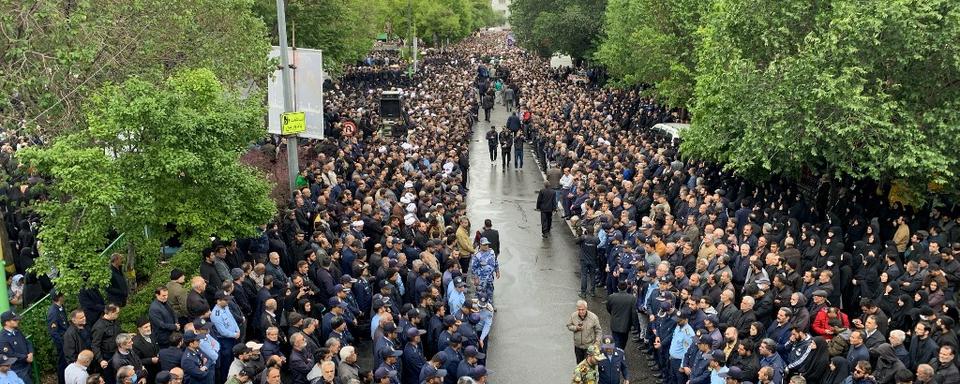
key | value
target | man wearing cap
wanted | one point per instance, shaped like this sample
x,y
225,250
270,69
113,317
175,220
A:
x,y
163,319
146,348
384,343
733,375
717,366
586,371
471,357
458,296
209,346
413,360
176,293
391,361
225,331
682,339
197,368
454,355
384,375
242,354
486,268
242,376
695,365
614,364
7,374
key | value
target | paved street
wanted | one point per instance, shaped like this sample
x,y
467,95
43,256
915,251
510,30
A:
x,y
538,288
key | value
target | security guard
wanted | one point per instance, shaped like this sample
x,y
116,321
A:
x,y
586,372
14,344
614,364
196,367
57,325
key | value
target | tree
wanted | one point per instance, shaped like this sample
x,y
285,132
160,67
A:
x,y
571,27
153,155
54,53
866,89
653,42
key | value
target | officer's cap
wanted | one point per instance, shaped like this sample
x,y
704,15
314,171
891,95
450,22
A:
x,y
383,372
472,351
190,336
8,316
733,373
478,372
413,332
389,327
441,373
388,352
484,241
607,342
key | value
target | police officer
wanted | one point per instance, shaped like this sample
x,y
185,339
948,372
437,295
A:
x,y
57,324
196,367
14,344
586,371
614,364
485,266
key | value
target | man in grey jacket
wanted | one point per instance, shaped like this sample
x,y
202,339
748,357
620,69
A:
x,y
585,326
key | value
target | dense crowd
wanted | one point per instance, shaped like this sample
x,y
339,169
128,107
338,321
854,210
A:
x,y
371,273
732,281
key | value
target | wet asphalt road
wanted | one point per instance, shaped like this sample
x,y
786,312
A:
x,y
529,342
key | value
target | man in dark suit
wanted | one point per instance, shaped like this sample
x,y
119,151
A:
x,y
621,306
546,204
492,235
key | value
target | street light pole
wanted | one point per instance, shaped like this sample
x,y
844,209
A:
x,y
293,162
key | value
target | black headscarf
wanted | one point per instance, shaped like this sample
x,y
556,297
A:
x,y
818,361
839,373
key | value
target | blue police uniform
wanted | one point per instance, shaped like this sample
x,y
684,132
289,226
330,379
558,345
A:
x,y
57,325
14,344
10,378
192,364
453,361
613,367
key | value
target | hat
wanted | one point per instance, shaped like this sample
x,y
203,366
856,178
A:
x,y
389,327
201,324
163,377
388,352
716,354
358,223
449,320
666,305
705,339
472,351
458,282
248,372
712,318
595,352
254,346
407,185
618,236
478,372
666,279
484,241
221,295
733,373
339,288
9,315
474,318
383,372
456,339
413,332
820,293
631,223
176,274
441,373
236,273
607,342
190,336
240,349
347,279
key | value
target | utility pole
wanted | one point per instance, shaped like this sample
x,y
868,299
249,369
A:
x,y
293,161
412,32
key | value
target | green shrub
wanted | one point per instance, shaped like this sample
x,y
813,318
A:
x,y
187,260
34,326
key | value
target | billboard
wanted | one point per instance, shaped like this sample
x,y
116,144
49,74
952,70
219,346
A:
x,y
307,78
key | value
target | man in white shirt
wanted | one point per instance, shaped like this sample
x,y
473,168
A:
x,y
76,372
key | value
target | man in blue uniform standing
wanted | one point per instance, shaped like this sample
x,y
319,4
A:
x,y
196,366
485,266
14,344
614,366
57,324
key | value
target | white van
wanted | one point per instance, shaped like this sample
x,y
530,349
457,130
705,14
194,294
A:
x,y
672,129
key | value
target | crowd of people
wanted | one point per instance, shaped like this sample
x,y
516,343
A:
x,y
730,281
372,271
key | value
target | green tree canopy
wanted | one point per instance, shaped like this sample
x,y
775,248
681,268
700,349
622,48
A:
x,y
571,27
153,155
654,42
867,89
54,53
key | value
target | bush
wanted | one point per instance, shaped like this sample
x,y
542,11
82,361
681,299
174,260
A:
x,y
187,260
34,325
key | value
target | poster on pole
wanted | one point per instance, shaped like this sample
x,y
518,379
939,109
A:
x,y
307,78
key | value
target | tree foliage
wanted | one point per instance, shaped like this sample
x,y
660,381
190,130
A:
x,y
571,27
53,53
654,42
867,89
152,155
439,20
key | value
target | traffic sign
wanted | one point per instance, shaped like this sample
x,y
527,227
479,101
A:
x,y
292,123
349,128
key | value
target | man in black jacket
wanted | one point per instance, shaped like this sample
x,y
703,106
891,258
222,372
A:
x,y
492,235
77,337
621,306
546,204
146,348
492,139
118,291
162,319
104,336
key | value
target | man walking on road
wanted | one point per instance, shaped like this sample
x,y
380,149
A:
x,y
622,308
546,204
585,326
492,139
491,234
487,103
506,142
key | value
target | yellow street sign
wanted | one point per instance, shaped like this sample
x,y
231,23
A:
x,y
292,123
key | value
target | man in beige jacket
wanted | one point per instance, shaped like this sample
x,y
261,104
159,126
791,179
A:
x,y
585,326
